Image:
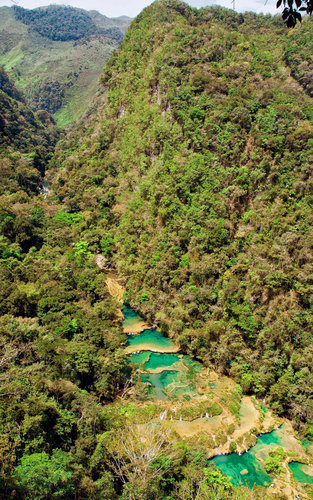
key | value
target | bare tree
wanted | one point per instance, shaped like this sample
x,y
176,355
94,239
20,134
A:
x,y
142,451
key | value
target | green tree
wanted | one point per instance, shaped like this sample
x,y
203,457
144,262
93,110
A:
x,y
40,476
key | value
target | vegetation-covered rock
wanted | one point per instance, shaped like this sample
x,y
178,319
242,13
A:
x,y
60,350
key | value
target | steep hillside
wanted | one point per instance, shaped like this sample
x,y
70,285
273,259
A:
x,y
191,173
195,170
56,54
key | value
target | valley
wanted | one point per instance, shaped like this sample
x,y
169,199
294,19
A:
x,y
60,76
156,261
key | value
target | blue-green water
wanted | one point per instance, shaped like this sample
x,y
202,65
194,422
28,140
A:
x,y
269,438
160,381
139,357
176,381
152,337
176,378
234,464
130,316
160,360
306,443
299,474
153,360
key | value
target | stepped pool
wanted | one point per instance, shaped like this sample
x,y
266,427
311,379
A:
x,y
169,374
130,316
248,468
152,338
299,471
245,469
154,360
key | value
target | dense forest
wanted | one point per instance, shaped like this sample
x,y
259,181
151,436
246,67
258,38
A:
x,y
191,175
72,24
62,360
56,364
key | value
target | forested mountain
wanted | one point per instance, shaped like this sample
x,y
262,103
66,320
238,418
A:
x,y
62,23
55,55
198,169
190,176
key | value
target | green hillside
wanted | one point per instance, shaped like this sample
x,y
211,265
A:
x,y
198,172
56,66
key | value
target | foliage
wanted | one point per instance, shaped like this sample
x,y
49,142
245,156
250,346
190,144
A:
x,y
198,168
53,69
67,219
274,460
205,189
57,364
58,22
191,172
40,476
291,13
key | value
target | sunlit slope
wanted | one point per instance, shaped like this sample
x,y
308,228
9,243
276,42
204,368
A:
x,y
59,76
195,169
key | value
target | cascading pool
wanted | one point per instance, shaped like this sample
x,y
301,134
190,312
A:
x,y
154,360
248,468
245,469
149,337
171,376
298,470
169,373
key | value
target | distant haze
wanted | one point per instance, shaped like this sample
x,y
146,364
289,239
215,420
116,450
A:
x,y
133,7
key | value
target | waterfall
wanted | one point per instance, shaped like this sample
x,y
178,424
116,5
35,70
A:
x,y
180,419
206,415
162,415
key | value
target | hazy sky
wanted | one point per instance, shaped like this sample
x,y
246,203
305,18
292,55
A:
x,y
133,7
